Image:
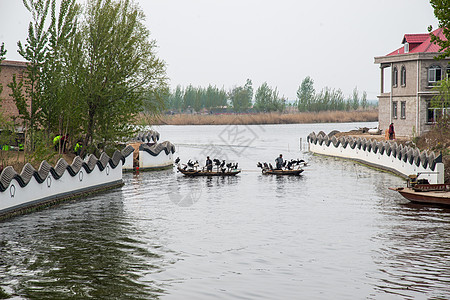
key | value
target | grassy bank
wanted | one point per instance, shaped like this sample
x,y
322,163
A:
x,y
17,160
263,118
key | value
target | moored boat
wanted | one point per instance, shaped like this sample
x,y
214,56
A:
x,y
423,192
432,196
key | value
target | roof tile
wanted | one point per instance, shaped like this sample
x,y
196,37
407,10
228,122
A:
x,y
424,41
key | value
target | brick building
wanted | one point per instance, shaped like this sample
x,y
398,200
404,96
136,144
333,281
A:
x,y
414,72
8,68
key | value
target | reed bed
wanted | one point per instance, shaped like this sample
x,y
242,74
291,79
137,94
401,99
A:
x,y
265,118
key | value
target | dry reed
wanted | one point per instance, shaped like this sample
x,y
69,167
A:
x,y
265,118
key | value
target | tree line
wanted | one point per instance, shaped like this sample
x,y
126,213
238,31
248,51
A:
x,y
328,99
239,99
91,68
265,99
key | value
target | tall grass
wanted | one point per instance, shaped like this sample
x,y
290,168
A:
x,y
264,118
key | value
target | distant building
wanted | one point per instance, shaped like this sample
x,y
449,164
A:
x,y
8,69
414,72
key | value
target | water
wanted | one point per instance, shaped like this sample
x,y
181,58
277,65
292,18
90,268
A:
x,y
336,232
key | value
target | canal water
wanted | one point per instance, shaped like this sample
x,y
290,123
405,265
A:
x,y
336,232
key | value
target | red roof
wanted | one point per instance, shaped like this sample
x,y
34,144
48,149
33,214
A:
x,y
415,38
420,43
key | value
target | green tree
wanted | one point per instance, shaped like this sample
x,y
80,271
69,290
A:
x,y
198,99
268,99
355,98
118,69
27,94
58,108
240,98
305,94
442,102
442,13
249,88
176,99
364,103
189,97
263,97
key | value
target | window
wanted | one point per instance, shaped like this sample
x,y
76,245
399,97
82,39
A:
x,y
448,73
394,77
430,114
406,47
434,74
403,109
394,109
403,76
435,113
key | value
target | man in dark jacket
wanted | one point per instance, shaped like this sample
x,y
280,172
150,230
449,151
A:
x,y
279,161
209,165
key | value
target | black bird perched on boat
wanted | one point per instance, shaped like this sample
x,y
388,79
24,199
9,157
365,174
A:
x,y
177,160
270,166
229,165
289,165
222,164
259,165
192,164
266,165
216,162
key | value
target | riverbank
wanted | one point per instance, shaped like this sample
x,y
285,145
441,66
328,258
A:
x,y
16,159
430,141
262,118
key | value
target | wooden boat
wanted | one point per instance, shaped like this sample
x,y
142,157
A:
x,y
282,172
195,173
289,167
426,193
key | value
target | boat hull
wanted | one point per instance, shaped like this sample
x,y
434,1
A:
x,y
197,173
283,172
433,197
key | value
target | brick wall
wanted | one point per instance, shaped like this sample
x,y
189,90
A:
x,y
8,68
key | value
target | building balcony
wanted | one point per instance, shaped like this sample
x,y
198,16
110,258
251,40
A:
x,y
384,95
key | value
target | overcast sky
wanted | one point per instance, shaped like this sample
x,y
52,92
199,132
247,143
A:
x,y
224,42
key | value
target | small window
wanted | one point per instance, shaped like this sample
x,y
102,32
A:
x,y
433,114
403,109
448,73
394,109
403,76
395,77
434,74
406,47
430,114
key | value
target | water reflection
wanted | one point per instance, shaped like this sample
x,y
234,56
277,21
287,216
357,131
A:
x,y
86,249
415,244
336,232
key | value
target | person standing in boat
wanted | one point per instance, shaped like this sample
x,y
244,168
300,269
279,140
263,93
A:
x,y
209,165
279,162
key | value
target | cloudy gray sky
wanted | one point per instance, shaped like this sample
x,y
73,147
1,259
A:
x,y
224,42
